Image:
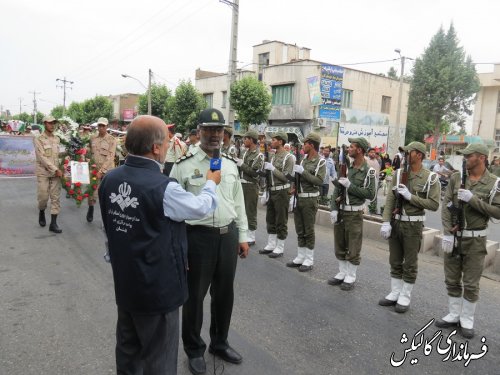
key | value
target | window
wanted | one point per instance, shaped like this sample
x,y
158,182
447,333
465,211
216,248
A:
x,y
346,98
263,62
282,95
224,99
209,98
497,140
386,104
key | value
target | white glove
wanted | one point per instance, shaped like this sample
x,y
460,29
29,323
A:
x,y
464,195
298,168
385,230
447,244
344,181
333,216
404,192
269,166
239,162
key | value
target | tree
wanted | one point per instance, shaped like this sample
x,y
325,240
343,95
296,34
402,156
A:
x,y
251,100
183,108
443,87
159,96
92,109
28,117
392,73
57,111
75,112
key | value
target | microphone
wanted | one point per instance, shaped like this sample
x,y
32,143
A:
x,y
215,162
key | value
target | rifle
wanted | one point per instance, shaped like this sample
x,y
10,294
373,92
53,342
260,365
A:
x,y
457,214
267,173
297,176
403,179
341,199
237,145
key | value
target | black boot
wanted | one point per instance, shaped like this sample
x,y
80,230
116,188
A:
x,y
41,218
53,225
90,214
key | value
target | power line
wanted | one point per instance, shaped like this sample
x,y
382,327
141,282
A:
x,y
64,81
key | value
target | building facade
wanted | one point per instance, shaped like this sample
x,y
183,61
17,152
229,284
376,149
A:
x,y
125,106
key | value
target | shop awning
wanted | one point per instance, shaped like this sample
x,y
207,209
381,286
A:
x,y
287,129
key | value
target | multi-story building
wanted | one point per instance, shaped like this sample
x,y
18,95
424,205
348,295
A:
x,y
367,103
486,119
125,106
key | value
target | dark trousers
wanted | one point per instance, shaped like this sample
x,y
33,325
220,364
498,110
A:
x,y
251,194
212,259
147,344
324,190
277,214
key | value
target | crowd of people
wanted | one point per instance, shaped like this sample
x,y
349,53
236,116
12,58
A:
x,y
177,218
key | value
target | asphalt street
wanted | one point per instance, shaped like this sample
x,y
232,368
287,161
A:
x,y
58,313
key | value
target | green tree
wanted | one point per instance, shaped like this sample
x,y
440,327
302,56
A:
x,y
442,89
183,108
392,73
57,111
251,100
75,112
92,109
159,97
25,117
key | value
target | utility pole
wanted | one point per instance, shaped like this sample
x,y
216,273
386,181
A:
x,y
64,82
20,105
149,92
233,57
35,110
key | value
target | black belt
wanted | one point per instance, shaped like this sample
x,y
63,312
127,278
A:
x,y
216,230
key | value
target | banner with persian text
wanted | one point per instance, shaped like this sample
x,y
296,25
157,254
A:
x,y
331,80
17,156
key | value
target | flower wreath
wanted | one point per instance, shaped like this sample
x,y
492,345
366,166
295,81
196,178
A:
x,y
76,149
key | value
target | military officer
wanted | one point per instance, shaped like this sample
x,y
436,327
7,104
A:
x,y
213,246
404,229
312,171
103,148
480,200
280,166
251,163
176,149
48,173
347,214
228,147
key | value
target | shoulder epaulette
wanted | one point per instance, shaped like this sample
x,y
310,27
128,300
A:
x,y
229,157
184,157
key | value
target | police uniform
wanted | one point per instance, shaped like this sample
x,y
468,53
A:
x,y
463,272
404,230
251,164
213,244
308,190
48,185
348,232
278,201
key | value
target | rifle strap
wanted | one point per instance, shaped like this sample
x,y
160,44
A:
x,y
371,174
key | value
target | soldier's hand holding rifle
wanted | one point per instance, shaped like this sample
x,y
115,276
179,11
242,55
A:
x,y
447,244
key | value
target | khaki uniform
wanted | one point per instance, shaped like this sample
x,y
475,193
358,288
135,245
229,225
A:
x,y
307,203
103,152
47,163
277,205
495,169
348,232
252,163
176,149
406,235
462,274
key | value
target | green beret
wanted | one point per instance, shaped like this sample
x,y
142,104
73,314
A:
x,y
281,135
252,134
315,137
472,148
417,146
361,142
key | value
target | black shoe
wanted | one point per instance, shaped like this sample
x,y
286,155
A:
x,y
400,308
386,302
197,365
53,227
293,265
251,243
275,255
41,218
334,281
467,333
265,251
305,268
346,286
228,354
440,323
90,214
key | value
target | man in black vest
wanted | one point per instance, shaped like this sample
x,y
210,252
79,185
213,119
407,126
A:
x,y
143,213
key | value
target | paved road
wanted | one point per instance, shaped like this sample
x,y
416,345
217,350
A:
x,y
57,310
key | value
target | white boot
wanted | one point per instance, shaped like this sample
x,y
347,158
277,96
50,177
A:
x,y
467,318
350,277
404,298
392,297
251,237
340,276
271,244
453,317
278,250
301,256
309,260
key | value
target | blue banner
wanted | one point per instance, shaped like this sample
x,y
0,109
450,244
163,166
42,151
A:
x,y
331,80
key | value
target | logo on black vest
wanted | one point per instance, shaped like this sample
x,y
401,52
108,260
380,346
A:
x,y
123,198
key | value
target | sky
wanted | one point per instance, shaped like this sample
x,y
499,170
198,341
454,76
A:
x,y
93,42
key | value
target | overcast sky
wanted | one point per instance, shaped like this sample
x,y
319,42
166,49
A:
x,y
92,42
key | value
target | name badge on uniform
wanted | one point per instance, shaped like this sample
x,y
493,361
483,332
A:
x,y
197,174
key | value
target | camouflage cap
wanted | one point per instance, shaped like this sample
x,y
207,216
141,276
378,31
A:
x,y
315,137
417,146
252,134
229,130
48,118
472,148
281,135
361,142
